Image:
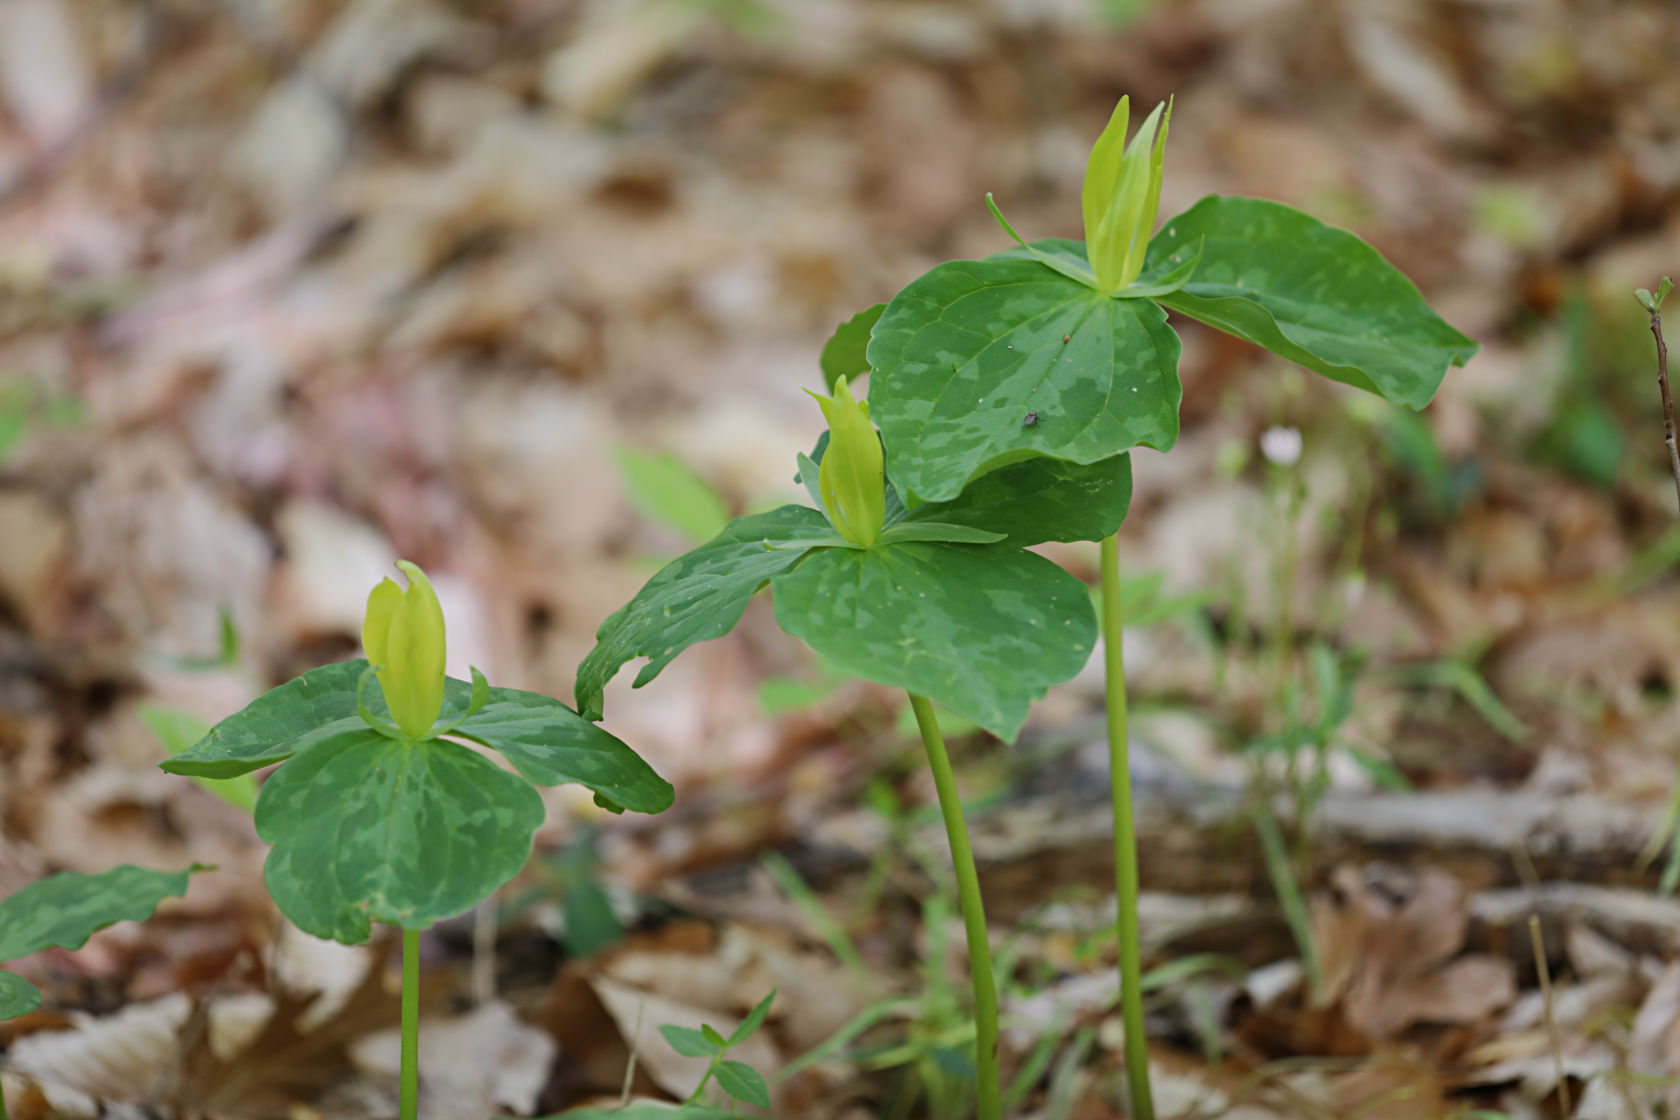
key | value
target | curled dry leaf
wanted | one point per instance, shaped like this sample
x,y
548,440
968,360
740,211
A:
x,y
1387,948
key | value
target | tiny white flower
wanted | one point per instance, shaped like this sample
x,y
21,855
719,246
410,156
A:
x,y
1281,445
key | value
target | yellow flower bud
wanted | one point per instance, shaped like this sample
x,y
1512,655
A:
x,y
403,634
1122,193
852,479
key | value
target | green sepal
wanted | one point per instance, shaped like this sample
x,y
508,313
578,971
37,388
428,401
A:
x,y
1073,268
810,472
389,730
480,697
1166,281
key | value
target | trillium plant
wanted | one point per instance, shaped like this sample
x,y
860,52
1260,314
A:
x,y
381,811
1008,392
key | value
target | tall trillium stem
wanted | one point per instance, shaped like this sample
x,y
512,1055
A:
x,y
1125,838
988,1092
410,1091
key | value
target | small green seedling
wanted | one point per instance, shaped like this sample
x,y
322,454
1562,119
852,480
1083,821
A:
x,y
63,911
737,1079
1057,356
377,813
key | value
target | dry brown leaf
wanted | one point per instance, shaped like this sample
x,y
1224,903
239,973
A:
x,y
1387,949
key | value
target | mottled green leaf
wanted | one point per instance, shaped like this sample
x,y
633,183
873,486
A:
x,y
551,745
743,1082
981,629
698,596
689,1042
982,363
1040,500
664,490
1311,293
844,354
64,910
367,828
318,705
17,996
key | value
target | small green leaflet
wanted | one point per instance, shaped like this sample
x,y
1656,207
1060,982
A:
x,y
64,910
743,1082
17,995
843,355
367,828
755,1019
981,363
696,597
982,629
1311,293
547,742
689,1042
664,490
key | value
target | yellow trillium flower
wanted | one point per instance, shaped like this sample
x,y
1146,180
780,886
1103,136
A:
x,y
1122,193
852,478
403,635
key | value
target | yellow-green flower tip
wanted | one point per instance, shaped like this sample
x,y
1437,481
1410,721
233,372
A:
x,y
403,635
852,478
1122,194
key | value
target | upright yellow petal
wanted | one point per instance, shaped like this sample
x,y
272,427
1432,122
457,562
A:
x,y
381,605
852,478
414,648
1121,195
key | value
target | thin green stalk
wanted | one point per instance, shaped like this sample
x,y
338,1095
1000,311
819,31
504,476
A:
x,y
987,1078
411,1025
1125,839
1288,891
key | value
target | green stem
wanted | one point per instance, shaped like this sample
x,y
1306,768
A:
x,y
411,1025
988,1080
1125,838
1288,890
